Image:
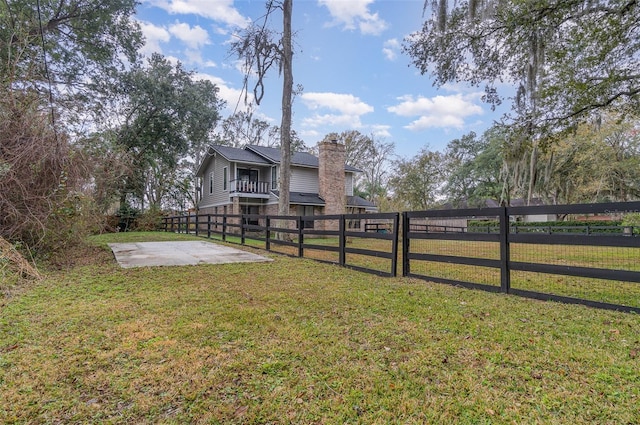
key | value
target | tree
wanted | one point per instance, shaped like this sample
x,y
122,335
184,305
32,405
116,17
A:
x,y
256,46
242,128
165,115
417,183
55,57
568,60
572,175
66,48
369,155
473,169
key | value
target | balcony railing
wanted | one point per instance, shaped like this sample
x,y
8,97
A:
x,y
249,186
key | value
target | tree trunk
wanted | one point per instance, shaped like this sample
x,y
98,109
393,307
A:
x,y
285,127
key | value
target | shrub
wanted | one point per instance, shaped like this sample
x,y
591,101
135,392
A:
x,y
41,174
632,219
149,220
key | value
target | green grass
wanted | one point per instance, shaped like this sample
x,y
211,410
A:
x,y
297,341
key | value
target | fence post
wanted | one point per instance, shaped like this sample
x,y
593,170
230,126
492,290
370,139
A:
x,y
342,241
394,246
505,272
197,224
224,228
268,235
242,229
300,236
406,269
209,226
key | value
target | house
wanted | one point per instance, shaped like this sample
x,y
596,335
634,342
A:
x,y
245,181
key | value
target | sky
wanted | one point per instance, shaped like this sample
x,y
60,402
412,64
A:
x,y
347,57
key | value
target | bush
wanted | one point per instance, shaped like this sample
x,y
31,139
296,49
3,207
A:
x,y
41,174
632,219
149,220
571,226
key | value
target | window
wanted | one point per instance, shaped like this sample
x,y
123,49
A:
x,y
274,178
247,175
353,224
305,211
211,183
225,178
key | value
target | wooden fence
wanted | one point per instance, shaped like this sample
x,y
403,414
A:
x,y
303,235
597,266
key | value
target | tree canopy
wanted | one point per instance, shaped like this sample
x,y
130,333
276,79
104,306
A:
x,y
567,59
66,46
370,156
55,57
417,183
473,169
165,114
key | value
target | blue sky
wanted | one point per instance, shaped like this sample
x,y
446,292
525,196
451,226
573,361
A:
x,y
347,57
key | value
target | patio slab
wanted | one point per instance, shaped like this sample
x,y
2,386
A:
x,y
180,253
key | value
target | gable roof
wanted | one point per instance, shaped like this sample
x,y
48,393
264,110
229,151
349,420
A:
x,y
301,159
231,154
239,155
262,155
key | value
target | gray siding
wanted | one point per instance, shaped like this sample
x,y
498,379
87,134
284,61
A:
x,y
304,180
219,196
348,184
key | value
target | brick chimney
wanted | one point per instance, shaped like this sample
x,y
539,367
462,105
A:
x,y
331,176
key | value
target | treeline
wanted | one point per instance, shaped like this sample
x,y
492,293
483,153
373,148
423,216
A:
x,y
599,162
87,126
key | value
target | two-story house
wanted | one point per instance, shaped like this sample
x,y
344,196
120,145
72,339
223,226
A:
x,y
245,181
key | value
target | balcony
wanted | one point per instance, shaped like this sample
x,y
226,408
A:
x,y
249,187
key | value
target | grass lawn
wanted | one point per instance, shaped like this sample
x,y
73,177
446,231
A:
x,y
297,341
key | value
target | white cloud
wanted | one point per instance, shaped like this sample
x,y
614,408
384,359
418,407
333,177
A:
x,y
194,37
381,131
218,10
390,48
344,103
354,14
332,120
438,111
310,135
349,109
154,35
225,92
193,57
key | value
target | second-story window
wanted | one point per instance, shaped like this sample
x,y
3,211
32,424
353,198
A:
x,y
211,183
225,178
274,178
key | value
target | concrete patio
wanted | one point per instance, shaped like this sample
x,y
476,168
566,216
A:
x,y
145,254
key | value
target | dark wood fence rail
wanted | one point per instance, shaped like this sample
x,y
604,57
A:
x,y
507,233
300,232
305,234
